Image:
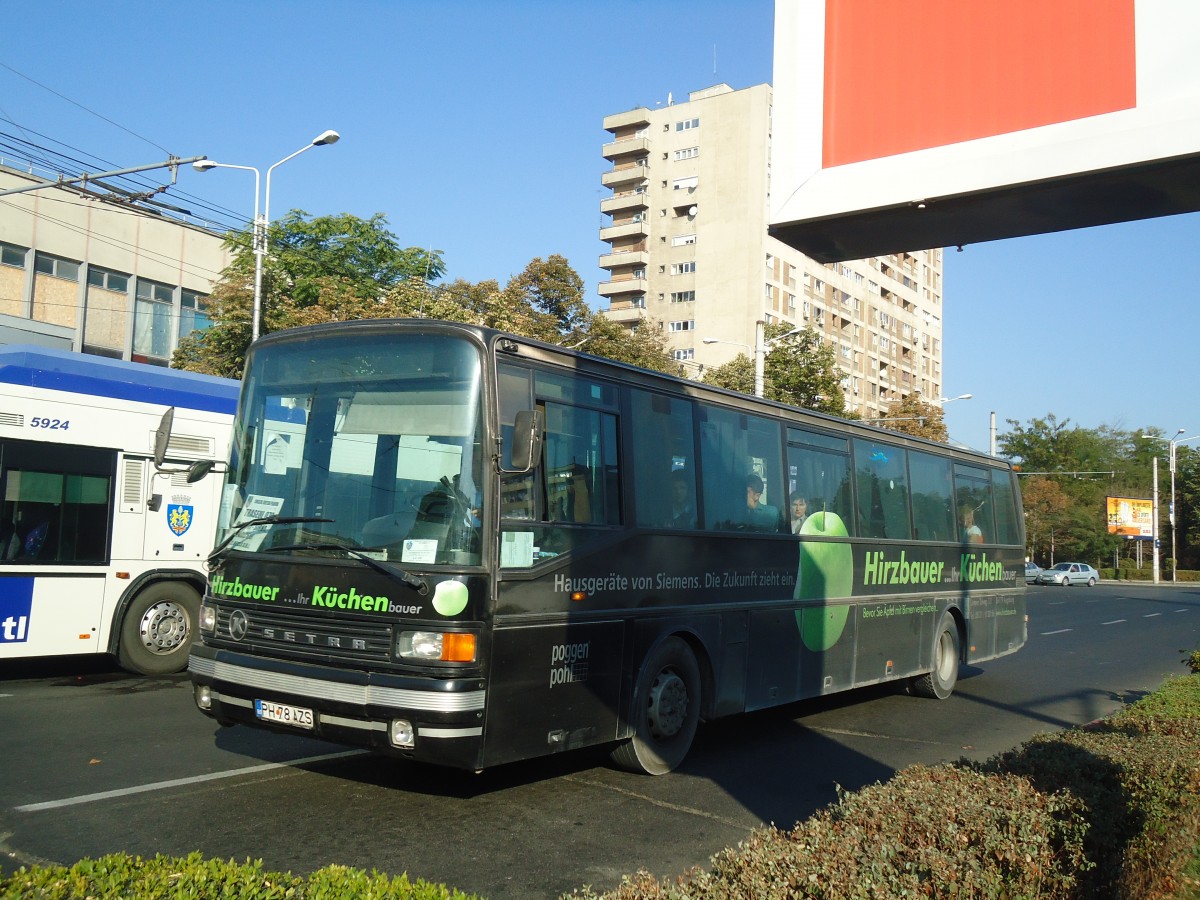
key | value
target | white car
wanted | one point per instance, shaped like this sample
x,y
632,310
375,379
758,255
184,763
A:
x,y
1068,573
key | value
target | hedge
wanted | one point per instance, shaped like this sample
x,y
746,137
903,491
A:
x,y
1109,810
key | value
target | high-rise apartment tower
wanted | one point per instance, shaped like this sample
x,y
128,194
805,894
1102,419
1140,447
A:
x,y
688,246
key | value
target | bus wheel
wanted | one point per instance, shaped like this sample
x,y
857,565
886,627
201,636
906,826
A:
x,y
939,683
158,629
666,710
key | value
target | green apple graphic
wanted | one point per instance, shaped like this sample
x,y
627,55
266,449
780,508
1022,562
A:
x,y
826,572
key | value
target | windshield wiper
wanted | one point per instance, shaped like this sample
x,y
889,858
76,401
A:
x,y
264,520
361,553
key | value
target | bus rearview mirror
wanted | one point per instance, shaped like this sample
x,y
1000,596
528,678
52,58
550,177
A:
x,y
527,439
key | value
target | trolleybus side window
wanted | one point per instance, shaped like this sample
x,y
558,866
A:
x,y
742,473
819,474
55,499
973,495
932,497
664,461
881,479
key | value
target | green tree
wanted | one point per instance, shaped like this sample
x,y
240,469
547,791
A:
x,y
800,369
1088,465
1045,506
913,416
328,268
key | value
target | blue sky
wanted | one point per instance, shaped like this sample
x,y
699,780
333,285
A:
x,y
475,127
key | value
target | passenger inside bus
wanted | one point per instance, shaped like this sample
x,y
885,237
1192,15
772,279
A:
x,y
683,510
971,533
759,516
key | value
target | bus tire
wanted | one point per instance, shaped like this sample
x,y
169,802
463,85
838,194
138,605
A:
x,y
666,710
158,629
938,684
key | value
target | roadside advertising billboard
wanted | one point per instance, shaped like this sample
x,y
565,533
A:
x,y
914,124
1131,517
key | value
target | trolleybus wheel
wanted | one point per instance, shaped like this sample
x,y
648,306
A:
x,y
666,710
939,683
158,629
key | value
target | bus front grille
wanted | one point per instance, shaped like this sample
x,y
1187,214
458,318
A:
x,y
290,635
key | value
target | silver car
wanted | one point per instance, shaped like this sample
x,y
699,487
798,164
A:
x,y
1067,573
1032,571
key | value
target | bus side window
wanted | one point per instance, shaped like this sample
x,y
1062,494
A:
x,y
932,497
580,466
517,499
819,472
1008,527
53,496
973,498
881,479
664,466
737,452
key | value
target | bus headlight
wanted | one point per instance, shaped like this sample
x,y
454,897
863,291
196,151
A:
x,y
443,646
208,619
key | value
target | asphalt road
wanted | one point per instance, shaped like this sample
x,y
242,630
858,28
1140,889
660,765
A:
x,y
96,761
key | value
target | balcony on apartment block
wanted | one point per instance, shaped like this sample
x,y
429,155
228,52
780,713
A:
x,y
619,287
624,200
625,313
624,230
620,176
638,117
633,256
625,147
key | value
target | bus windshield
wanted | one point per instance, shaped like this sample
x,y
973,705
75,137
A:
x,y
370,444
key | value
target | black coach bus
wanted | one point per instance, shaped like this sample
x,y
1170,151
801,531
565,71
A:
x,y
465,547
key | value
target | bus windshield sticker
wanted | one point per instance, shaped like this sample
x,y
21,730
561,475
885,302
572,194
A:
x,y
419,551
516,550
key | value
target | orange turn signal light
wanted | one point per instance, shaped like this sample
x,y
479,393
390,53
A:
x,y
458,647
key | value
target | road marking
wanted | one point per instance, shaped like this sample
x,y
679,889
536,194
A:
x,y
848,732
1060,631
675,807
1114,622
1151,615
180,782
1181,610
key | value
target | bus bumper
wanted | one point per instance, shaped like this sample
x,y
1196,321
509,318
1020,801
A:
x,y
426,719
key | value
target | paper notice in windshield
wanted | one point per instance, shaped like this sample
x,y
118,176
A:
x,y
516,549
257,507
419,551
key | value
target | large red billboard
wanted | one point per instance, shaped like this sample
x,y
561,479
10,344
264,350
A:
x,y
908,124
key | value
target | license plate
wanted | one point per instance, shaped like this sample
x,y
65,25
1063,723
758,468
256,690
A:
x,y
297,716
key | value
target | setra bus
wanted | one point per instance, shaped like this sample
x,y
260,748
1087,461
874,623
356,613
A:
x,y
468,548
99,553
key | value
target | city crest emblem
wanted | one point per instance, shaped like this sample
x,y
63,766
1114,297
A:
x,y
179,518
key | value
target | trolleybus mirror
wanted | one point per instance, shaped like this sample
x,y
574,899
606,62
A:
x,y
197,470
162,437
527,439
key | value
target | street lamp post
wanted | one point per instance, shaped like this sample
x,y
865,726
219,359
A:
x,y
1171,443
761,348
260,221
